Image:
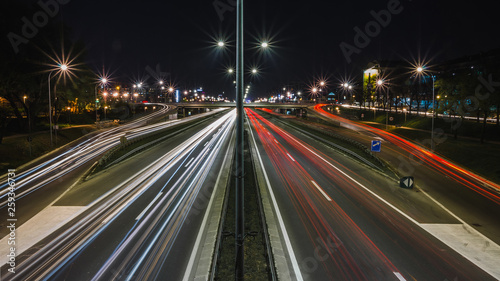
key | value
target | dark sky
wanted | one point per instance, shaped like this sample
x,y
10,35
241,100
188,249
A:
x,y
125,37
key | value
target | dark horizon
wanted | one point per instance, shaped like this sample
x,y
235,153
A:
x,y
132,40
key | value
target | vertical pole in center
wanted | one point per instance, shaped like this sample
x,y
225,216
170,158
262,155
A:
x,y
240,219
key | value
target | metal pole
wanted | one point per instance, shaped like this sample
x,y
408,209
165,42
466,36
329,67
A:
x,y
433,113
387,112
95,101
50,112
240,219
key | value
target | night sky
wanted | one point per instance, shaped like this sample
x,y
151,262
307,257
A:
x,y
179,37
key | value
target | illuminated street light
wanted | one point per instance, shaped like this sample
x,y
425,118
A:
x,y
264,45
62,68
220,44
420,70
230,70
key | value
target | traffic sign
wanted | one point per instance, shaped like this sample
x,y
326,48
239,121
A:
x,y
376,145
406,182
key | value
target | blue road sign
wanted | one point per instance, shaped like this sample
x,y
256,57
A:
x,y
376,145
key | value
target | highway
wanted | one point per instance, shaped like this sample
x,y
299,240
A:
x,y
38,185
346,221
474,199
341,219
138,218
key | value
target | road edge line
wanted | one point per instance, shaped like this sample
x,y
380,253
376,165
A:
x,y
280,259
204,258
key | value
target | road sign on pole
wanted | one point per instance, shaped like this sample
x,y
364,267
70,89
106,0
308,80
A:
x,y
376,146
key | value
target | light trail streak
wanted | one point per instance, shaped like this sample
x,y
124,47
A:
x,y
375,204
57,253
45,173
458,174
308,199
180,191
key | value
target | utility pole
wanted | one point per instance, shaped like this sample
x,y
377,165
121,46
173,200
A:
x,y
240,219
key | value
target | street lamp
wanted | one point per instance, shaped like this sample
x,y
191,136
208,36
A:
x,y
170,90
420,70
380,84
62,67
69,116
102,82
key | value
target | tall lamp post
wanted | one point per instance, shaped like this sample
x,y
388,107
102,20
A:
x,y
102,82
240,223
62,67
420,70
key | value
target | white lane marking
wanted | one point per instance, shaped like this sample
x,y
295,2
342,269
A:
x,y
399,276
290,157
187,165
288,244
37,228
322,191
205,144
197,247
479,258
276,141
149,206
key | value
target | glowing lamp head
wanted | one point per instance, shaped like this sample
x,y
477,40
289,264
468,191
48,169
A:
x,y
64,67
220,44
420,69
264,45
379,82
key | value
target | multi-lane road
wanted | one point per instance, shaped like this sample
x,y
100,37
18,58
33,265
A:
x,y
337,218
346,221
127,220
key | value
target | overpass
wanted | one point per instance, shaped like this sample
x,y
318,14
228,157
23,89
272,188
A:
x,y
232,104
299,109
